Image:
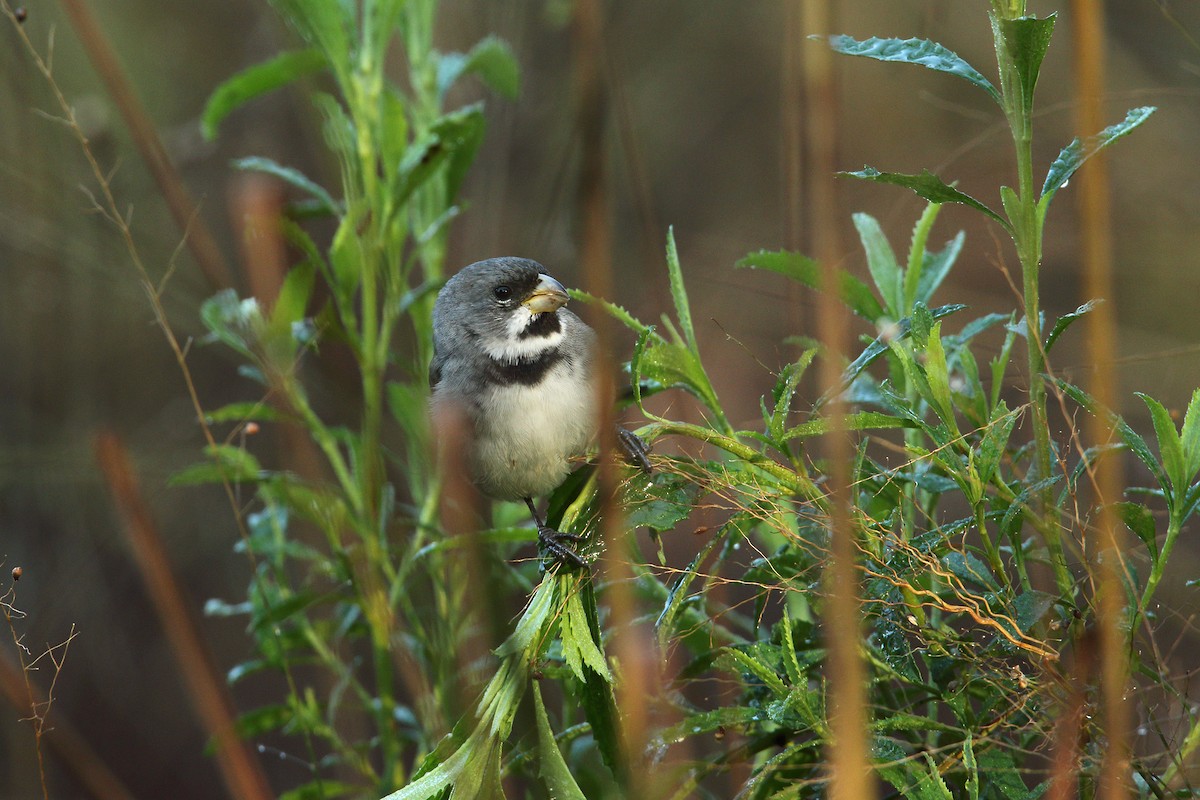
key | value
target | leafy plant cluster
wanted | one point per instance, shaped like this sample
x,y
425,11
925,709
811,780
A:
x,y
956,514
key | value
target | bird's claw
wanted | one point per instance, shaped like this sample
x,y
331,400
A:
x,y
635,449
552,542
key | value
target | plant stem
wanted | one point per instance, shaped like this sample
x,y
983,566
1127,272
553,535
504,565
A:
x,y
1027,234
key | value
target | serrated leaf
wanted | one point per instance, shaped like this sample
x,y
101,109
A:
x,y
683,309
1065,321
971,767
937,373
857,296
665,624
1026,39
1080,150
922,325
661,500
1189,437
785,390
1170,448
577,645
255,81
995,439
880,345
929,186
921,52
1132,439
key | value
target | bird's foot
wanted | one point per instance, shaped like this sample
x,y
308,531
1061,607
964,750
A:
x,y
552,542
635,449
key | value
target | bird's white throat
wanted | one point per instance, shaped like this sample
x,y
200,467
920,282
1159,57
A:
x,y
512,348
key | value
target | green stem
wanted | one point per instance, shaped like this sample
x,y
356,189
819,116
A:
x,y
1026,228
1160,563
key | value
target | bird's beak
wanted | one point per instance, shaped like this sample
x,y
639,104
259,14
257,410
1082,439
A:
x,y
549,295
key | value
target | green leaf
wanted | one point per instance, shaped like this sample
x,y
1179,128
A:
x,y
291,176
491,59
324,24
577,645
661,500
971,767
323,789
265,719
461,131
1031,606
1079,151
1139,519
665,624
683,308
992,446
857,296
1190,437
922,325
227,463
922,52
1170,447
1129,436
292,302
929,186
235,322
937,372
937,266
736,660
1065,321
551,766
969,568
881,262
1026,39
245,412
860,421
880,345
599,703
254,81
785,390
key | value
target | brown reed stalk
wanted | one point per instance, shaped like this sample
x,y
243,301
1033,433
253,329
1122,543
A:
x,y
149,146
847,754
629,643
242,774
1094,207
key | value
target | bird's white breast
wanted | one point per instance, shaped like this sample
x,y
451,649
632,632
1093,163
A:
x,y
527,436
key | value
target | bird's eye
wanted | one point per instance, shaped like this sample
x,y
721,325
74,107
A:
x,y
502,293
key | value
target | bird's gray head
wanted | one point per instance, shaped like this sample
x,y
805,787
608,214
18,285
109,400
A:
x,y
506,307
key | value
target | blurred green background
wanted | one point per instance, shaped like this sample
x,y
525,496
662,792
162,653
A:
x,y
695,138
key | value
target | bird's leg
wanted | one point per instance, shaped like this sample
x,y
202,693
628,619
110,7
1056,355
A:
x,y
635,449
552,540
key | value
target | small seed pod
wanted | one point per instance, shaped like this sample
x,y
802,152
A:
x,y
17,573
20,13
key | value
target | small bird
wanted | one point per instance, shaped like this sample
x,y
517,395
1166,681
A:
x,y
520,367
